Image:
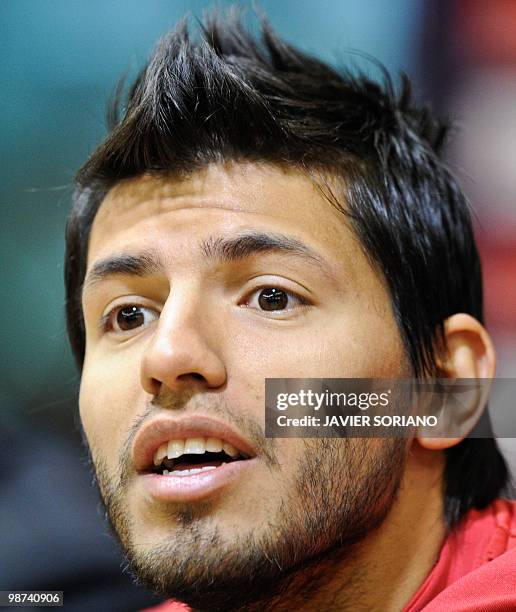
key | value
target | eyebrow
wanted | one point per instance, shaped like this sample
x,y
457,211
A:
x,y
245,245
140,264
224,250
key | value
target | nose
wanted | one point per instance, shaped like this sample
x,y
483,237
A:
x,y
183,350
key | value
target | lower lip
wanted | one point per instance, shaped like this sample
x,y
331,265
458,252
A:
x,y
196,487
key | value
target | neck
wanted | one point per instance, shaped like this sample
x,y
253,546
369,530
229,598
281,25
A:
x,y
384,569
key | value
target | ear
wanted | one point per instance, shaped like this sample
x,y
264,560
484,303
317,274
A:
x,y
470,354
470,351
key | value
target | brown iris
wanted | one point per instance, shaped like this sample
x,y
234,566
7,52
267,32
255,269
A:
x,y
272,299
130,317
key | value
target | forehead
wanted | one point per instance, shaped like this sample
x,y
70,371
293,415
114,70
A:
x,y
219,197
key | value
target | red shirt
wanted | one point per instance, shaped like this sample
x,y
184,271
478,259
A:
x,y
475,572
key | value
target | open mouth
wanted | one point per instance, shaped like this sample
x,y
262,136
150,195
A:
x,y
190,459
185,457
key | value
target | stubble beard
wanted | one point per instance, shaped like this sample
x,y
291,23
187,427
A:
x,y
344,489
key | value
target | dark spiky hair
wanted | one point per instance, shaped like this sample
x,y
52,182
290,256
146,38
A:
x,y
229,96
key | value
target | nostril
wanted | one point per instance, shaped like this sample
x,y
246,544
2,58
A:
x,y
154,387
192,375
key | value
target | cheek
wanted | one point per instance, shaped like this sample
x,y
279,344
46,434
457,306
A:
x,y
346,345
360,340
290,453
108,397
368,349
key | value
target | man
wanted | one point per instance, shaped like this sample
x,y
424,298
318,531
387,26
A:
x,y
254,214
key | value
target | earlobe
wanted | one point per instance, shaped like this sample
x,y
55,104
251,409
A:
x,y
469,354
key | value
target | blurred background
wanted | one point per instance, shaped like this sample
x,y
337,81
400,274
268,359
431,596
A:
x,y
60,62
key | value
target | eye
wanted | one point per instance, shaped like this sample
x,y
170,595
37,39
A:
x,y
128,317
270,299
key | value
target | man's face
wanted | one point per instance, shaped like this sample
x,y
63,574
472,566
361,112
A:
x,y
196,291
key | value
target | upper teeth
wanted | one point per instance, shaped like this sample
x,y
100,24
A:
x,y
196,446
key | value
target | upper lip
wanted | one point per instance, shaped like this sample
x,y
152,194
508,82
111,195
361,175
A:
x,y
152,434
